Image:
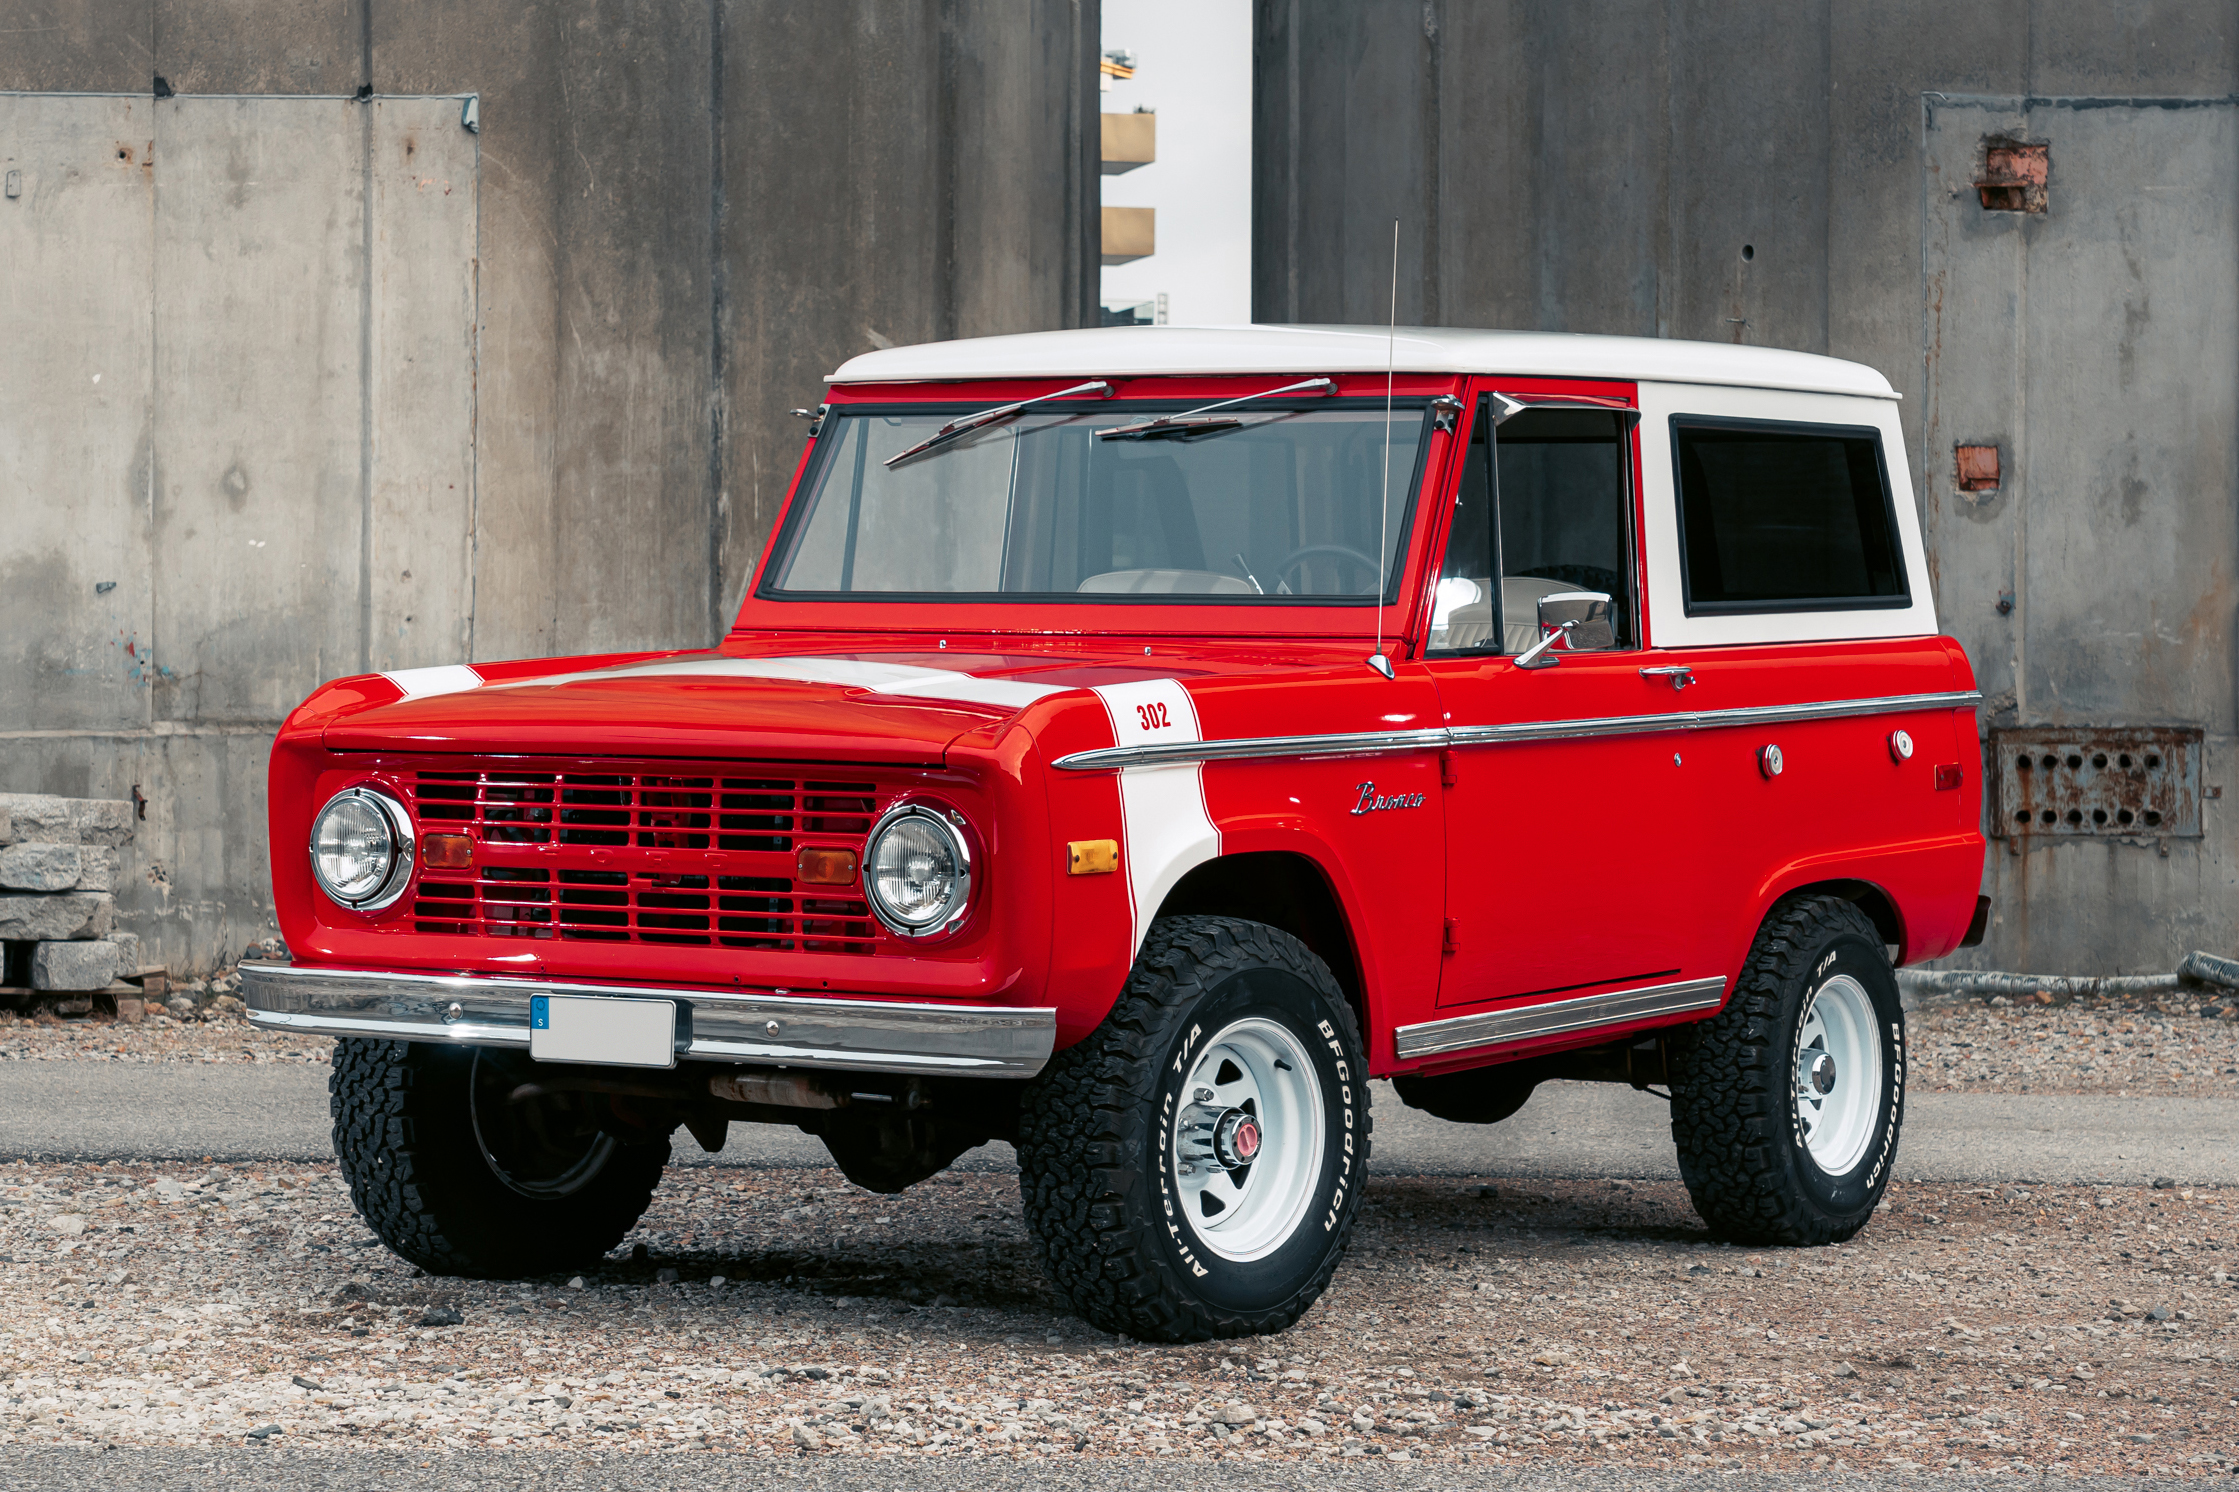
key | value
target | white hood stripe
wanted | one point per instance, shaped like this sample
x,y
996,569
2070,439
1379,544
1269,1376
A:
x,y
1169,830
948,684
444,678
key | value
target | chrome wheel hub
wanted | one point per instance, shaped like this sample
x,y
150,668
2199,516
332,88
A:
x,y
1838,1086
1247,1146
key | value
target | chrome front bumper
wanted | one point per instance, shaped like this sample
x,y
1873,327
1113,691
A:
x,y
778,1030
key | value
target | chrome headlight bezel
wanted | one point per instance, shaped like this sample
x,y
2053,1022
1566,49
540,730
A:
x,y
951,825
398,875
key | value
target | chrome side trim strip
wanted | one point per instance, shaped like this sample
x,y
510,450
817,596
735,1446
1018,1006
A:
x,y
1361,743
847,1035
1556,1017
1382,743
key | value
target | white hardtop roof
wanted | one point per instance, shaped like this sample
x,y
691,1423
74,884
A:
x,y
1139,351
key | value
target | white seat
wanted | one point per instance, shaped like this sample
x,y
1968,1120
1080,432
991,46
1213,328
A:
x,y
1471,625
1165,583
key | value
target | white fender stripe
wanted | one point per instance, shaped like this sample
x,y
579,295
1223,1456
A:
x,y
1169,831
444,678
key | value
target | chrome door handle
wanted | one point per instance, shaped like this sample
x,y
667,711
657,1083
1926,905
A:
x,y
1679,674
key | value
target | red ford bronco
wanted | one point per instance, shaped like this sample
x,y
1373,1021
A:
x,y
1133,743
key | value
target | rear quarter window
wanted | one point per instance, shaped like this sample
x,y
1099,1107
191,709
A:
x,y
1777,516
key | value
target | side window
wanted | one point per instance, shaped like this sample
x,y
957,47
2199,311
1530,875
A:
x,y
1545,506
1784,517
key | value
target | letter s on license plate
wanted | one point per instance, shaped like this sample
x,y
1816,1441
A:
x,y
610,1033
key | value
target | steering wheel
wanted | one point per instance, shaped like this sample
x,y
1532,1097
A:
x,y
1297,557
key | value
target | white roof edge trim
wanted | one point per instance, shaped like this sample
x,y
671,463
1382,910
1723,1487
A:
x,y
1149,351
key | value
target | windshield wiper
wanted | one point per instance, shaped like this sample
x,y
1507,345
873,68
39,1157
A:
x,y
964,425
1187,423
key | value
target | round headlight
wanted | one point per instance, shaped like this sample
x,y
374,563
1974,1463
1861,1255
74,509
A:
x,y
361,849
917,871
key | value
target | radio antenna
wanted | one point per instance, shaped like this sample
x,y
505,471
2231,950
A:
x,y
1377,660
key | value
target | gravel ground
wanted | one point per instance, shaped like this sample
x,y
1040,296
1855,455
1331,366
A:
x,y
2187,1048
2178,1047
788,1314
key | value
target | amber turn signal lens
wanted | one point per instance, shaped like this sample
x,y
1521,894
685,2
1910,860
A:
x,y
446,851
1092,857
821,867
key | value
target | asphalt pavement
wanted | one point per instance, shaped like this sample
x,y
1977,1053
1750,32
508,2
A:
x,y
278,1111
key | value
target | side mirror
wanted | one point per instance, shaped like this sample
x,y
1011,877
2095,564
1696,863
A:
x,y
1582,621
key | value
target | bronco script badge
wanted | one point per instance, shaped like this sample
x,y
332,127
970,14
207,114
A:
x,y
1372,801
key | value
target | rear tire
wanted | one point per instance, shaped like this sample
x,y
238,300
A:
x,y
1788,1105
457,1177
1193,1168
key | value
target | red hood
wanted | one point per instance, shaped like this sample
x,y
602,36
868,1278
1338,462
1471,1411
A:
x,y
856,707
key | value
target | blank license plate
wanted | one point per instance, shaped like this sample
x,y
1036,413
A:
x,y
611,1033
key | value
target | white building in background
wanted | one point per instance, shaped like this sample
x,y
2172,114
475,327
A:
x,y
1177,162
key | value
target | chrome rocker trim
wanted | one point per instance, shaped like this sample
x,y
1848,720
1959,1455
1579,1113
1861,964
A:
x,y
843,1035
1385,743
1556,1017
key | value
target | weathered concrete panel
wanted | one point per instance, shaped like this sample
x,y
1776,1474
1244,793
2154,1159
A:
x,y
418,589
80,46
596,500
260,240
256,46
2112,531
74,411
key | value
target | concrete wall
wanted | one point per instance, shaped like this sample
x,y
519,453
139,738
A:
x,y
377,392
1801,175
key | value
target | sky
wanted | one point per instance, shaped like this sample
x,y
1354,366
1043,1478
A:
x,y
1194,66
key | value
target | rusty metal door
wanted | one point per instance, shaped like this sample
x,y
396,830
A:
x,y
2081,498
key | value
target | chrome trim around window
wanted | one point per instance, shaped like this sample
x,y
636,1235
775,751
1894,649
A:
x,y
1556,1017
1385,743
785,1030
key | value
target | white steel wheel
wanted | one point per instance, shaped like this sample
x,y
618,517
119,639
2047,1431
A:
x,y
1838,1075
1247,1140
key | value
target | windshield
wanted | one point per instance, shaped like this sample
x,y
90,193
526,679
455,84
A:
x,y
1270,505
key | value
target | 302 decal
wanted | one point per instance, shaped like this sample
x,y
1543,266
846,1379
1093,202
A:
x,y
1153,716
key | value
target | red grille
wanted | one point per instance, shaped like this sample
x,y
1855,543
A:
x,y
642,856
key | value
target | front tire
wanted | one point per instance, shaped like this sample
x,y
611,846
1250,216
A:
x,y
1193,1168
1788,1105
460,1177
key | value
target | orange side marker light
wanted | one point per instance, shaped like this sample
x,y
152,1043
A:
x,y
1092,857
824,866
446,851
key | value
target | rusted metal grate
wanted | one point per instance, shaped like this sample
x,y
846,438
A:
x,y
2015,175
627,855
2108,782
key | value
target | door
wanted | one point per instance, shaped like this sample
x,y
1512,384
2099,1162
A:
x,y
1569,816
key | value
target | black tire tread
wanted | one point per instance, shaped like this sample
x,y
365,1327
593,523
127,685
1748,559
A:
x,y
1092,1103
1730,1088
402,1141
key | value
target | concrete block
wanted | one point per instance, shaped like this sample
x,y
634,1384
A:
x,y
40,867
72,914
39,817
7,826
105,821
73,966
97,867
